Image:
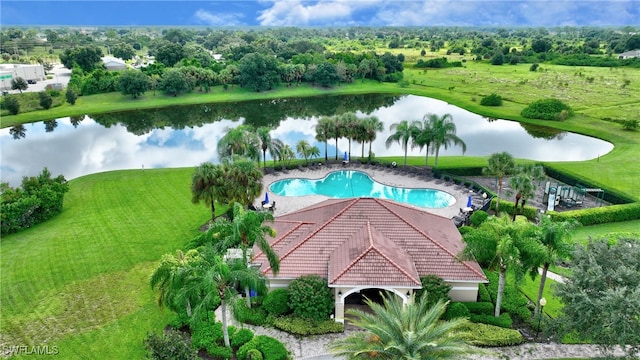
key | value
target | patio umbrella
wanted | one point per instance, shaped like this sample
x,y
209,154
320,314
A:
x,y
266,198
346,157
469,201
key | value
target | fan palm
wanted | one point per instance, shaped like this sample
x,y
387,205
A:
x,y
443,130
402,331
322,133
500,165
554,236
403,132
240,141
207,185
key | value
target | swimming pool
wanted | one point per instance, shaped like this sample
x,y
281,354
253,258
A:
x,y
349,184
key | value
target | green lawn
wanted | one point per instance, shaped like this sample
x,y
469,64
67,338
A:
x,y
631,228
81,280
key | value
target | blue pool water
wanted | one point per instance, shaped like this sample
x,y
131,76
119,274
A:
x,y
349,184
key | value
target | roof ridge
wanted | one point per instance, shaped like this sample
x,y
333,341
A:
x,y
350,203
397,266
437,243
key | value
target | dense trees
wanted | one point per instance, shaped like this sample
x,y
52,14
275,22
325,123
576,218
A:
x,y
602,295
123,51
87,58
38,199
133,82
258,72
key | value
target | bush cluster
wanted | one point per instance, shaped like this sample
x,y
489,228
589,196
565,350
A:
x,y
480,308
438,63
169,346
304,327
37,200
276,302
244,314
488,335
513,301
491,100
311,298
503,321
270,348
456,310
547,109
436,288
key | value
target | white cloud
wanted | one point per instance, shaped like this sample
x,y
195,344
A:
x,y
220,19
298,12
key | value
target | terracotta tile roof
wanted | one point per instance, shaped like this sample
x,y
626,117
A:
x,y
366,241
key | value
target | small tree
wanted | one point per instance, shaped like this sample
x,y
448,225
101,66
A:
x,y
19,84
45,100
133,82
71,96
631,124
169,346
12,104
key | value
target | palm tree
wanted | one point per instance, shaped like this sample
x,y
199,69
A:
x,y
522,185
499,165
554,236
268,143
500,244
240,141
373,125
536,173
424,134
242,181
18,131
245,230
214,280
304,150
444,134
207,185
404,131
403,331
349,122
169,280
322,133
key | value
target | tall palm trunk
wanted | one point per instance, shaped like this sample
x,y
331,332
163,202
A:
x,y
213,209
362,150
326,148
336,148
501,281
225,332
543,279
405,156
369,148
437,154
515,206
498,197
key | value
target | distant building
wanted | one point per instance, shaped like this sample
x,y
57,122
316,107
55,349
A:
x,y
629,54
113,63
30,73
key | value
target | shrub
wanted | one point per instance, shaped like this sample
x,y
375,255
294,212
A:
x,y
168,346
480,308
464,229
488,335
547,109
219,352
478,217
483,294
436,288
277,302
253,316
534,67
12,104
254,354
311,297
71,96
270,348
241,337
456,310
205,334
491,100
304,327
513,301
631,124
45,100
503,321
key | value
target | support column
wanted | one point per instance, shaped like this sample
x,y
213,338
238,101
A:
x,y
339,305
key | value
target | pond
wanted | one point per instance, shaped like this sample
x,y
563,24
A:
x,y
188,135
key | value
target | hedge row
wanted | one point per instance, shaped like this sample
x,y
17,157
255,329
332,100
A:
x,y
479,308
304,327
503,321
529,212
599,215
488,335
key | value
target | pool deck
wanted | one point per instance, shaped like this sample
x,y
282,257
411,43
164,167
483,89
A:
x,y
286,204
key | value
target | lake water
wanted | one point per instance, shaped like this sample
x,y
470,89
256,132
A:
x,y
188,135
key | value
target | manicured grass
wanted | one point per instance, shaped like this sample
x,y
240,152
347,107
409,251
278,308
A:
x,y
631,228
530,289
81,280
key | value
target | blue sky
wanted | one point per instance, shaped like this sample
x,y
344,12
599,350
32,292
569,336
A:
x,y
322,13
